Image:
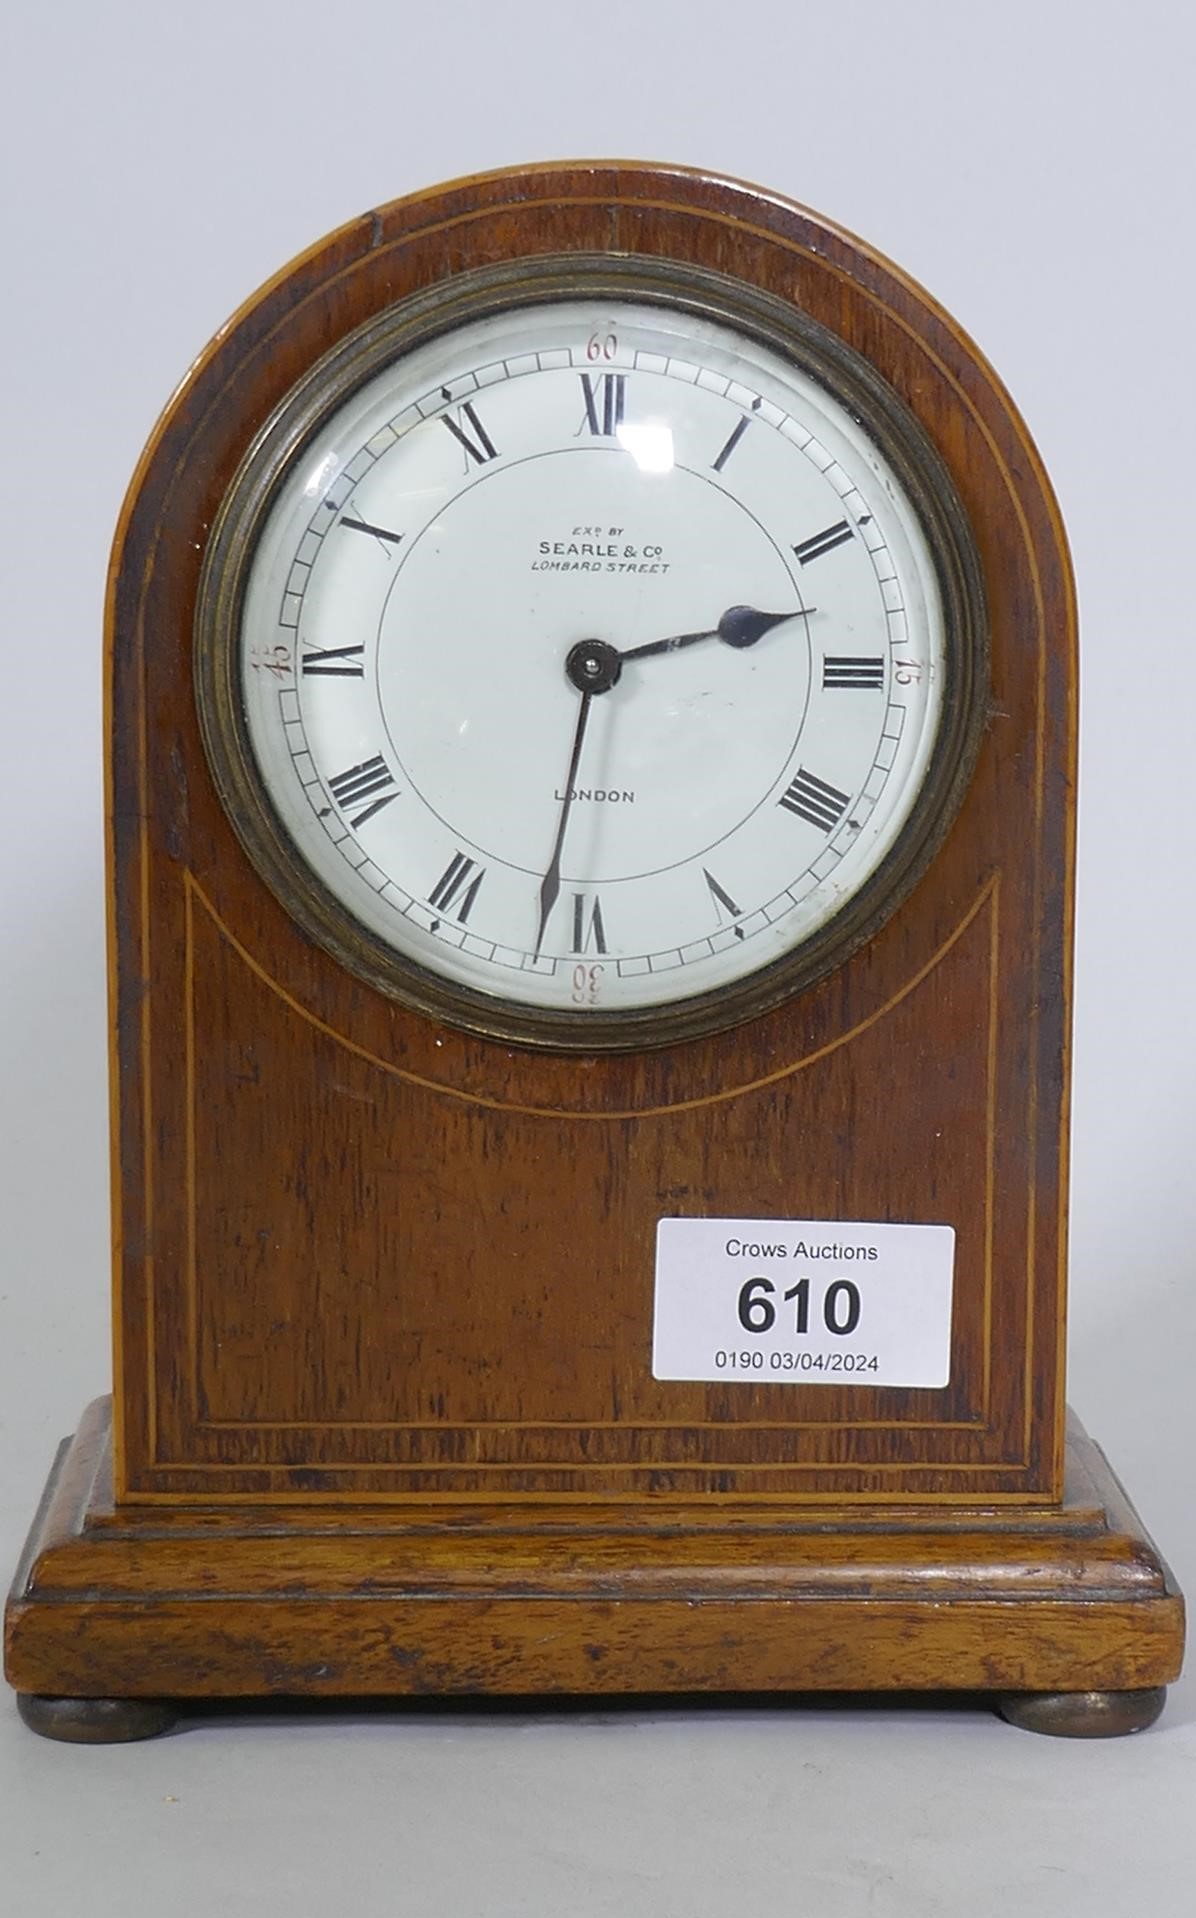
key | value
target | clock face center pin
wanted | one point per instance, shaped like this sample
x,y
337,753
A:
x,y
593,666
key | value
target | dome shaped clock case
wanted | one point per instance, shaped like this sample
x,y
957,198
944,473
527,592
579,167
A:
x,y
591,662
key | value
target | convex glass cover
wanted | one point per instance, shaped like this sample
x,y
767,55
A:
x,y
586,659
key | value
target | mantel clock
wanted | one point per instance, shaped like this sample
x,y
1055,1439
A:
x,y
592,726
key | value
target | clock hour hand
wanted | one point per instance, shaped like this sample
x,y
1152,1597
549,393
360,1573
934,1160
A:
x,y
739,626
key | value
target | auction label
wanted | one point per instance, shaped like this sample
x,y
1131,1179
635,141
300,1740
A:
x,y
803,1302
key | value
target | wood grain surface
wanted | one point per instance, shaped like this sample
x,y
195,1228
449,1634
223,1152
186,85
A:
x,y
362,1255
124,1603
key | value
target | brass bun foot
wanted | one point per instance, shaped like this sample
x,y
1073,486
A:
x,y
1084,1714
96,1721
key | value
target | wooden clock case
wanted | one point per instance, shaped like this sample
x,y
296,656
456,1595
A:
x,y
384,1418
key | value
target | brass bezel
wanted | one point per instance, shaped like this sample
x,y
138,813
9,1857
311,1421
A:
x,y
363,353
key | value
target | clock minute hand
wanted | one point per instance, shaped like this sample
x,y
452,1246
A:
x,y
739,626
550,885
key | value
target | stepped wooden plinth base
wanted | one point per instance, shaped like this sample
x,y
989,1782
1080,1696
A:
x,y
1066,1616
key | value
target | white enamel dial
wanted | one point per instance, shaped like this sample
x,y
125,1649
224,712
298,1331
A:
x,y
591,656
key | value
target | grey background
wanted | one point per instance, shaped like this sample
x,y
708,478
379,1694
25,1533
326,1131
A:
x,y
1032,165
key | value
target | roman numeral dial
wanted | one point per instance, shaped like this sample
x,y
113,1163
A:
x,y
733,438
849,670
458,887
589,929
820,544
724,906
814,799
467,429
363,790
381,533
605,398
333,662
609,652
